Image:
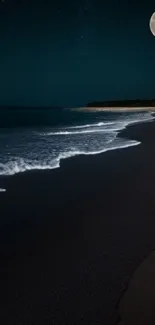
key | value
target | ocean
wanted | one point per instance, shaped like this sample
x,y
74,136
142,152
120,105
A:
x,y
40,138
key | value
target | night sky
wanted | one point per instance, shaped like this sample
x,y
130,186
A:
x,y
70,52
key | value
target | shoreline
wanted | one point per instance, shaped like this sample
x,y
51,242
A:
x,y
115,109
136,305
72,237
122,133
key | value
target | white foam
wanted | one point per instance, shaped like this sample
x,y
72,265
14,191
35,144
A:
x,y
48,152
21,165
90,125
2,190
75,153
116,125
84,131
138,118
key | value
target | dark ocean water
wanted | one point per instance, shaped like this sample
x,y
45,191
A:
x,y
39,138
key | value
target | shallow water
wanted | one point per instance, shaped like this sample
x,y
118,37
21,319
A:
x,y
63,134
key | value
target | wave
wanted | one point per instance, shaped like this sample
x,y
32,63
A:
x,y
82,132
138,117
32,150
106,126
130,118
22,165
90,125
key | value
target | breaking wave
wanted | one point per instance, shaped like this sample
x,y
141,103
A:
x,y
90,125
21,165
104,126
34,149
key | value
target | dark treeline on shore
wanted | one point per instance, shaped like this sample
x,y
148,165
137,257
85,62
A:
x,y
122,103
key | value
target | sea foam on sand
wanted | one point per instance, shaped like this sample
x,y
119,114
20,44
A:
x,y
2,190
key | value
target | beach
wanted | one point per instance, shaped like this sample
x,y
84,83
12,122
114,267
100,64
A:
x,y
72,238
115,109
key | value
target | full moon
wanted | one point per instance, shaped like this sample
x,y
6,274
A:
x,y
152,24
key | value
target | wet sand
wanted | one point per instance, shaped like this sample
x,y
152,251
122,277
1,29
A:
x,y
138,303
72,238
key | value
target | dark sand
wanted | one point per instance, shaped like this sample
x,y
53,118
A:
x,y
138,303
71,238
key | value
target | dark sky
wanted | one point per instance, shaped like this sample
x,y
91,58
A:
x,y
70,52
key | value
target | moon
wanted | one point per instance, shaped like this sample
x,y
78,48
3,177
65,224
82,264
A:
x,y
152,24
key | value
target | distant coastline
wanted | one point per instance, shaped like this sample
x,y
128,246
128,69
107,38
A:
x,y
120,105
124,103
